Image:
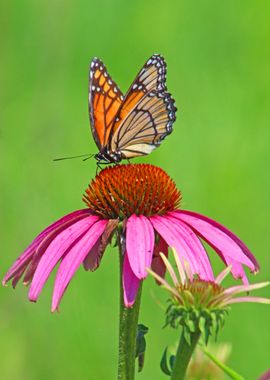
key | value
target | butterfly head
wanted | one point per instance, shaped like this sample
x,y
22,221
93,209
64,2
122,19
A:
x,y
107,157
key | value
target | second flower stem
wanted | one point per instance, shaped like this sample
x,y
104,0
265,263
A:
x,y
183,355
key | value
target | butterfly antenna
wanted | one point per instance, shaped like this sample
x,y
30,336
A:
x,y
69,158
89,156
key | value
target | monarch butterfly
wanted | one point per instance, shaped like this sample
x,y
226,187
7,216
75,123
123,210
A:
x,y
131,125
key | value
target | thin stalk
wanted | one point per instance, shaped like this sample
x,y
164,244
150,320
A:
x,y
127,332
183,355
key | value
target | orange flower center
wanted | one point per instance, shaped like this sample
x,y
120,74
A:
x,y
122,190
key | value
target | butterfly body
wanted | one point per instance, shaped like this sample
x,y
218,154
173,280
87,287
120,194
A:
x,y
106,157
133,125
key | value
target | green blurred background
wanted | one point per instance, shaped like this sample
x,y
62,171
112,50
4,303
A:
x,y
218,71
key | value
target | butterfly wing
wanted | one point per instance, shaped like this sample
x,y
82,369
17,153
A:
x,y
105,99
152,76
146,125
147,113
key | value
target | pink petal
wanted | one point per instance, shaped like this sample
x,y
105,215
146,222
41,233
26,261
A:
x,y
42,247
219,237
174,239
158,265
140,240
249,299
131,283
73,260
26,256
55,252
19,273
237,269
195,246
91,261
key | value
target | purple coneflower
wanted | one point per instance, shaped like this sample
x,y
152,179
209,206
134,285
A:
x,y
199,307
190,292
141,204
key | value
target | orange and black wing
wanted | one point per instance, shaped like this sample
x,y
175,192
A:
x,y
105,99
146,125
147,114
152,77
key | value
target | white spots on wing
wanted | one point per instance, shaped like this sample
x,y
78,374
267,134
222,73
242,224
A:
x,y
149,62
91,74
140,87
93,88
92,64
101,67
105,74
115,90
170,107
98,89
110,81
134,86
122,97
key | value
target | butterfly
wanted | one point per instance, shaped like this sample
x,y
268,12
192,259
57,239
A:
x,y
134,124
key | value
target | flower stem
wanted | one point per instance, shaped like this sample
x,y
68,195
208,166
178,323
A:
x,y
183,355
127,333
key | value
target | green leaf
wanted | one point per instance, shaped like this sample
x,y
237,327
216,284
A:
x,y
202,324
164,363
187,335
172,360
191,325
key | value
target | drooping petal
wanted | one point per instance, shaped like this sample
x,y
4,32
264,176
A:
x,y
42,247
219,237
172,237
93,259
187,234
26,256
18,274
130,282
139,244
91,262
158,265
74,258
238,271
55,252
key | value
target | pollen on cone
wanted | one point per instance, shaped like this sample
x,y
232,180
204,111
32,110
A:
x,y
123,190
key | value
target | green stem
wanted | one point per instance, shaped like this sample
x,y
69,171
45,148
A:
x,y
127,333
183,355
